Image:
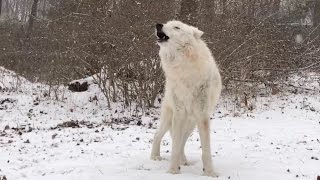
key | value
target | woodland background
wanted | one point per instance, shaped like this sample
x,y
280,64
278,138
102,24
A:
x,y
56,41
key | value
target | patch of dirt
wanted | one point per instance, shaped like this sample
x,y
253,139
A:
x,y
7,100
76,124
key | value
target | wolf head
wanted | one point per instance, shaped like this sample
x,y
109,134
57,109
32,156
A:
x,y
176,34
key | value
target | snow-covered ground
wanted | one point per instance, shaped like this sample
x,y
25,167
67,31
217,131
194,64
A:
x,y
279,139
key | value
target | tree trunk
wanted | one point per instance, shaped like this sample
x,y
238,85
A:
x,y
0,6
224,8
6,8
206,15
25,11
265,7
44,11
33,15
189,11
276,6
177,8
251,11
208,10
316,13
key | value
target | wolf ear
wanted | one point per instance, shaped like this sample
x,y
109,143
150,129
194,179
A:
x,y
197,33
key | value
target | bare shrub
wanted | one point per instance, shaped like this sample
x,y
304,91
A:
x,y
253,41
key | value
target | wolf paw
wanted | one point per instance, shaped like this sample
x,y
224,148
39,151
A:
x,y
174,170
156,158
184,162
210,173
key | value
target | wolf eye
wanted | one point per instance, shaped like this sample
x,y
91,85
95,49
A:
x,y
176,27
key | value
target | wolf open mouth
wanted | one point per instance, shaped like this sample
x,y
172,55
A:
x,y
160,34
162,37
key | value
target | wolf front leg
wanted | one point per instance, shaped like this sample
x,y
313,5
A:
x,y
190,125
204,131
177,133
165,123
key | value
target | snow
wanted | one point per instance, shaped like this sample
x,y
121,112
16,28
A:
x,y
279,139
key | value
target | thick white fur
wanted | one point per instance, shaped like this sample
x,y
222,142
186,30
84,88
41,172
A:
x,y
192,89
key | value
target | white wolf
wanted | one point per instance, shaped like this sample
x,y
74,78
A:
x,y
193,86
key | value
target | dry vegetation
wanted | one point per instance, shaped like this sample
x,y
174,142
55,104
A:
x,y
56,41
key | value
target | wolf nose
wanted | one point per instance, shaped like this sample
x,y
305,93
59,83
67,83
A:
x,y
159,27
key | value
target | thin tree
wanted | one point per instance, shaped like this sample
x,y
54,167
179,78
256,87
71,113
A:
x,y
0,6
251,11
224,8
208,10
33,15
189,11
276,6
316,13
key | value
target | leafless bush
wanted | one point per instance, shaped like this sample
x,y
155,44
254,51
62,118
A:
x,y
252,41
